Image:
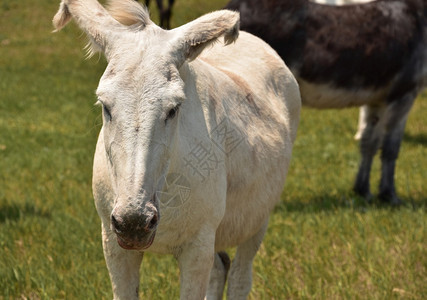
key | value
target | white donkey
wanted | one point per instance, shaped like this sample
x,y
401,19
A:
x,y
194,148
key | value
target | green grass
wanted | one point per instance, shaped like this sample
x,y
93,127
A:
x,y
323,242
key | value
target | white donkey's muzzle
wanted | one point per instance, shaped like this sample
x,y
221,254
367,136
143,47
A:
x,y
135,223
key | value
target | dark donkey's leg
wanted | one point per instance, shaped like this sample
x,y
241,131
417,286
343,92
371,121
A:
x,y
395,119
399,103
369,144
161,12
168,13
165,13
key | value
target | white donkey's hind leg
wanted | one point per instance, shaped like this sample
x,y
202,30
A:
x,y
240,278
218,276
123,266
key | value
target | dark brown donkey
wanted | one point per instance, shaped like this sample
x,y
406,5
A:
x,y
371,55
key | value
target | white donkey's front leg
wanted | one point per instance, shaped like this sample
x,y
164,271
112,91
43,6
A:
x,y
123,266
195,263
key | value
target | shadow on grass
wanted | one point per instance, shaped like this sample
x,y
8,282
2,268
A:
x,y
416,139
326,202
14,211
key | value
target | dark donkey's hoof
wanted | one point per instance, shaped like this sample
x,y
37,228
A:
x,y
366,194
391,199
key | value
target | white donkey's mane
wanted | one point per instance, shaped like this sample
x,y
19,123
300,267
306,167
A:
x,y
129,13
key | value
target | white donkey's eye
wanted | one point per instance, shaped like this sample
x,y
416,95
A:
x,y
107,113
172,112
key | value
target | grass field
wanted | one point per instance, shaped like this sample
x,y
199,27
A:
x,y
323,242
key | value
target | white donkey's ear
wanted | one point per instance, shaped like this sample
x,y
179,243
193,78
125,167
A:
x,y
196,35
93,18
62,17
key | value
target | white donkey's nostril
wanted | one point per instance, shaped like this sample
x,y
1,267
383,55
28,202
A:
x,y
153,222
117,226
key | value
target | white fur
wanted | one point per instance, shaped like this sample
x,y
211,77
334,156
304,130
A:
x,y
244,84
325,96
341,2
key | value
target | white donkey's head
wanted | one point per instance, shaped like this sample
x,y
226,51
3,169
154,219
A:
x,y
140,92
